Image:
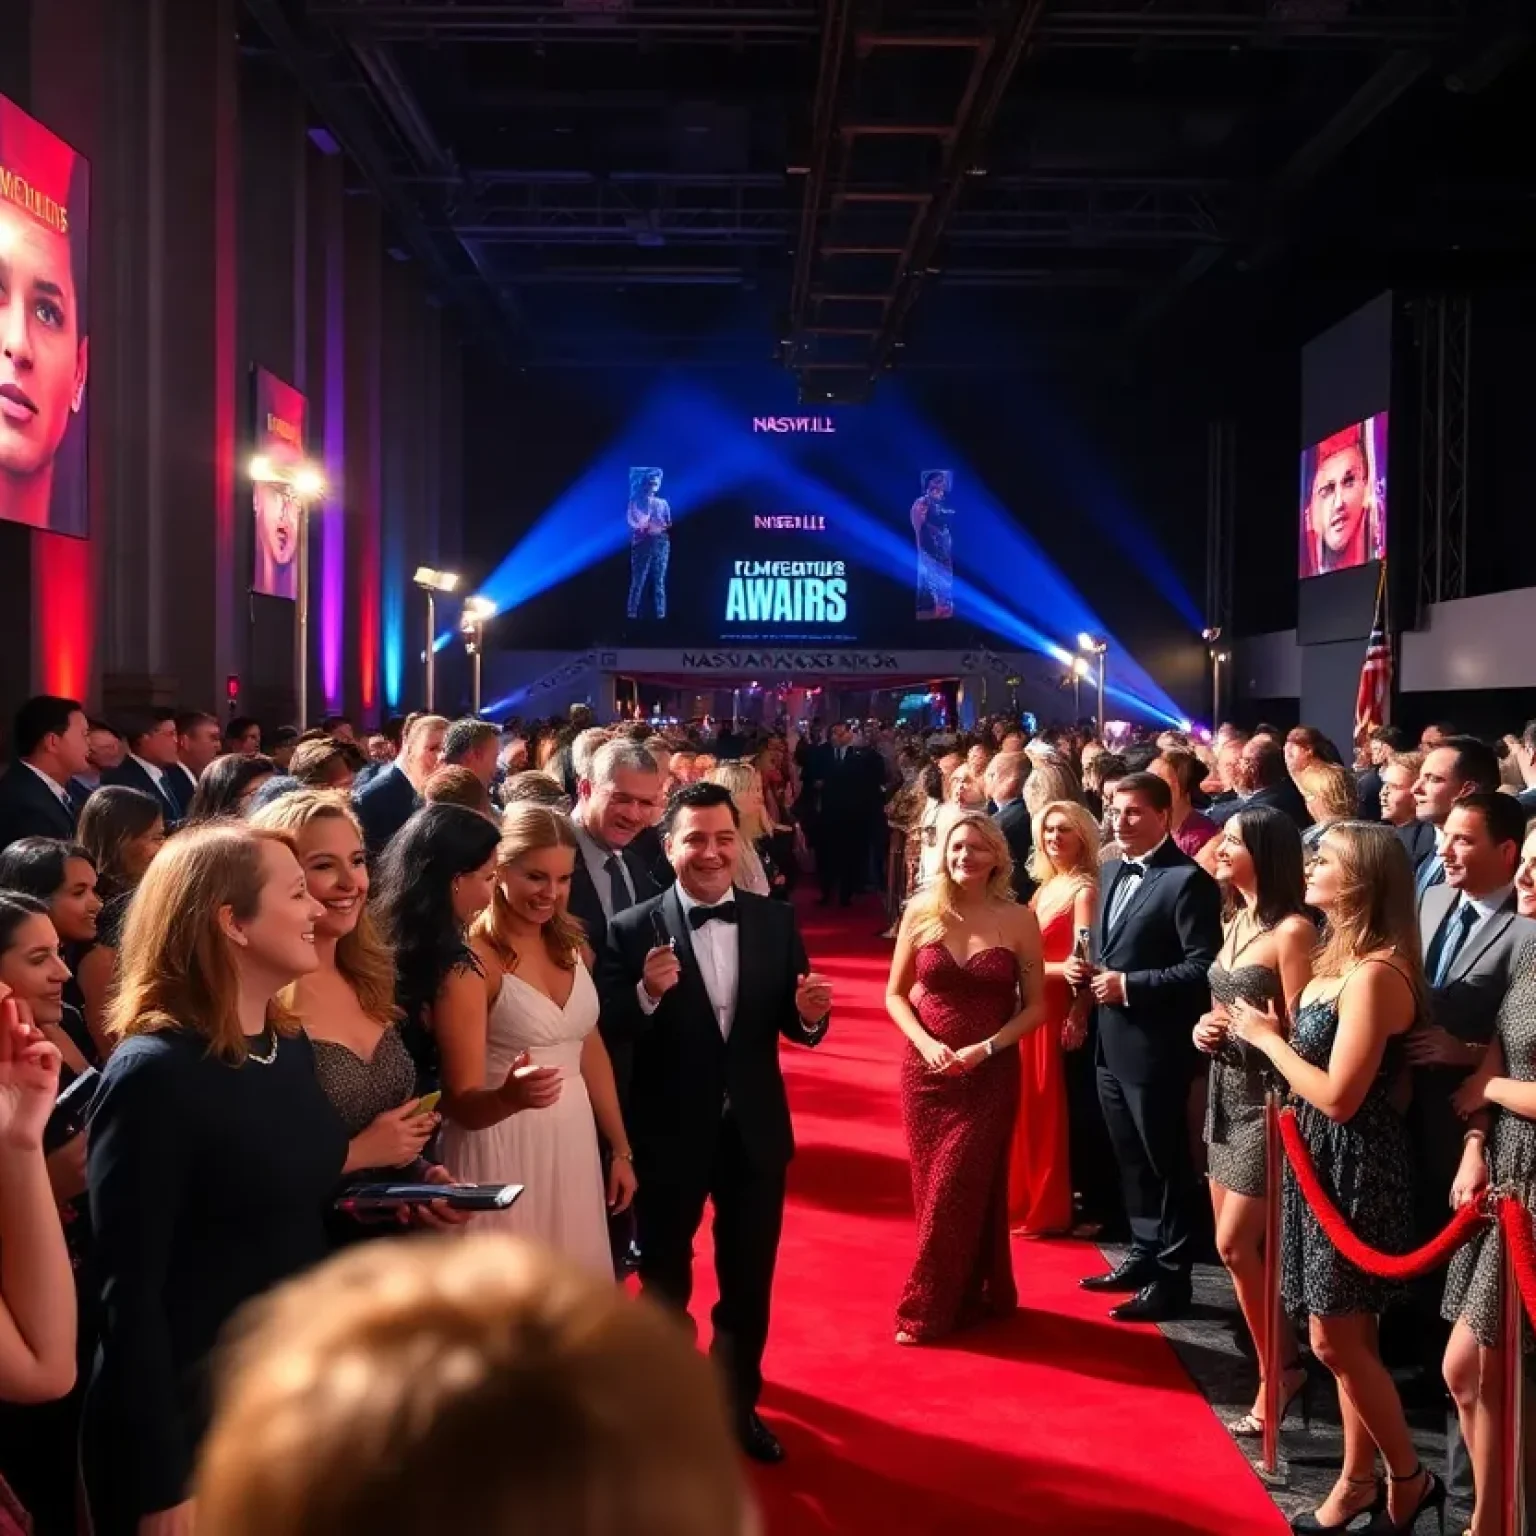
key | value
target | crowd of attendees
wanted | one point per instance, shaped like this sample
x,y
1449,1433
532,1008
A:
x,y
244,971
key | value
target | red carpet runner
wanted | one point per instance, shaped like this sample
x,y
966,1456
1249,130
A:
x,y
1057,1420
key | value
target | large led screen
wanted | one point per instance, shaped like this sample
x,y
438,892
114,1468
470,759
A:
x,y
279,447
1343,521
44,337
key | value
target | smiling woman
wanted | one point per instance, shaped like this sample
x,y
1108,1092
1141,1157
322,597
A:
x,y
44,349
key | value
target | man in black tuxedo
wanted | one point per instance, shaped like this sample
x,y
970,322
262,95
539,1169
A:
x,y
699,984
1157,934
841,790
389,799
49,746
152,759
1005,788
199,739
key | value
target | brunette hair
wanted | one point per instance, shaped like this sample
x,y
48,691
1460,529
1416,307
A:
x,y
1274,845
454,784
110,820
535,787
320,762
175,966
221,789
485,1385
362,957
527,828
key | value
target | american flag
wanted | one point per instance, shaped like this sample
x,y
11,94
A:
x,y
1373,702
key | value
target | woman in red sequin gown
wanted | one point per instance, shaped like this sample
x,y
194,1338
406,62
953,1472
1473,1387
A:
x,y
973,955
1066,865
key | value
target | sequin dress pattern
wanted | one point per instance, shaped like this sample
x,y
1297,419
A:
x,y
1234,1110
1365,1165
1473,1293
958,1132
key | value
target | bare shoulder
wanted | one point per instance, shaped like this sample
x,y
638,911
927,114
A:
x,y
1296,930
1382,984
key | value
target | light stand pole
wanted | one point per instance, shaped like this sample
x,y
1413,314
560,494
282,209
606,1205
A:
x,y
1095,645
1219,658
476,611
432,582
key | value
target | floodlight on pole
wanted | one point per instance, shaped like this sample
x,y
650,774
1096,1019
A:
x,y
478,610
432,581
1095,645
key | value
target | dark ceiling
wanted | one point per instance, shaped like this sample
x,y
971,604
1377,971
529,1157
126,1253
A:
x,y
851,185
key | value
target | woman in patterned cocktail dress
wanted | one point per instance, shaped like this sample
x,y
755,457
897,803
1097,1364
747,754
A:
x,y
1343,1057
976,954
1500,1101
1266,957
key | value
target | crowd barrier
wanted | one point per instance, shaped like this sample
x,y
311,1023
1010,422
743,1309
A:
x,y
1518,1259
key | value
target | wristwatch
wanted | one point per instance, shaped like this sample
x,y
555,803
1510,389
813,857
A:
x,y
990,1046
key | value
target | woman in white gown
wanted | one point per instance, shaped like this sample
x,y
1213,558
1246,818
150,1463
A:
x,y
532,1020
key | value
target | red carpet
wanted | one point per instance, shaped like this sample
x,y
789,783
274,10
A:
x,y
1056,1420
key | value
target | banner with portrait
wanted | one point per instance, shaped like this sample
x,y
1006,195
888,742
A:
x,y
277,458
44,336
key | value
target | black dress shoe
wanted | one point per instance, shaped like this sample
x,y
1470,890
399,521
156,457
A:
x,y
1159,1302
758,1441
1130,1274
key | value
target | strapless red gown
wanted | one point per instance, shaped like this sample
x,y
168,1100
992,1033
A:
x,y
1040,1165
958,1129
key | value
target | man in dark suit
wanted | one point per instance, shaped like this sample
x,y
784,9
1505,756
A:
x,y
700,983
840,797
1385,741
389,799
199,739
1156,936
49,747
1398,775
152,758
1262,778
1458,767
1005,788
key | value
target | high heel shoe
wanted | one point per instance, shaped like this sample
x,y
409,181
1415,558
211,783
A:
x,y
1309,1525
1251,1426
1433,1498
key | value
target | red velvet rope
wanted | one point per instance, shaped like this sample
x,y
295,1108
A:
x,y
1516,1222
1386,1266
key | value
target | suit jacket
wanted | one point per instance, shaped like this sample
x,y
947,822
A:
x,y
685,1071
384,805
1013,822
129,774
584,903
1468,1002
1283,797
27,809
1369,806
1165,942
182,784
833,788
1418,837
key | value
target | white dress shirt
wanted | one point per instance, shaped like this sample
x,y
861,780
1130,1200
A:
x,y
595,856
59,792
1484,906
716,948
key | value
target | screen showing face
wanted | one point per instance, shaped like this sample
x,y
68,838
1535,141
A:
x,y
279,447
44,350
1344,499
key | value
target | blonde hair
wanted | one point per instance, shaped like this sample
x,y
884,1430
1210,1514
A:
x,y
1331,787
176,968
1041,866
739,778
1051,780
482,1384
364,960
527,828
1376,908
931,912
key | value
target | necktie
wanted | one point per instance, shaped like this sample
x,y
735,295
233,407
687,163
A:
x,y
1450,938
1431,872
698,916
1130,882
618,886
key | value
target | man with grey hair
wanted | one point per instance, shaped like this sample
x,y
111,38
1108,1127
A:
x,y
388,800
585,747
474,744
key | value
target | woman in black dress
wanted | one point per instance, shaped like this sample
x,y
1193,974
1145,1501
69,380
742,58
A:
x,y
1343,1058
1266,956
122,830
214,1154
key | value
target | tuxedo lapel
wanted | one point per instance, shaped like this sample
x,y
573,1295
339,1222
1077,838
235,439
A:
x,y
752,965
1433,909
1134,901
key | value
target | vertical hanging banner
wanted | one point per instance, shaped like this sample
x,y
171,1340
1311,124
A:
x,y
277,457
44,336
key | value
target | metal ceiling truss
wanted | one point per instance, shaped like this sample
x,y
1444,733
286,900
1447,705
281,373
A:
x,y
864,237
1076,24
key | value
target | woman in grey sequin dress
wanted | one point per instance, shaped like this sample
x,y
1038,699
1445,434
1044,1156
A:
x,y
1266,958
1344,1055
1500,1103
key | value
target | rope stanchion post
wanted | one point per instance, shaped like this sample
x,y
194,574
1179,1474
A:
x,y
1512,1419
1274,1306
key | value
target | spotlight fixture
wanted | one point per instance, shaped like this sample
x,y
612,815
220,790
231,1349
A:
x,y
477,610
1212,633
430,580
261,469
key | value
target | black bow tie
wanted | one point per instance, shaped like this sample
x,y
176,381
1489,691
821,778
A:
x,y
698,916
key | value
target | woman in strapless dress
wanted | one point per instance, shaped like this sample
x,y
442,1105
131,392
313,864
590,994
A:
x,y
1266,958
976,954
